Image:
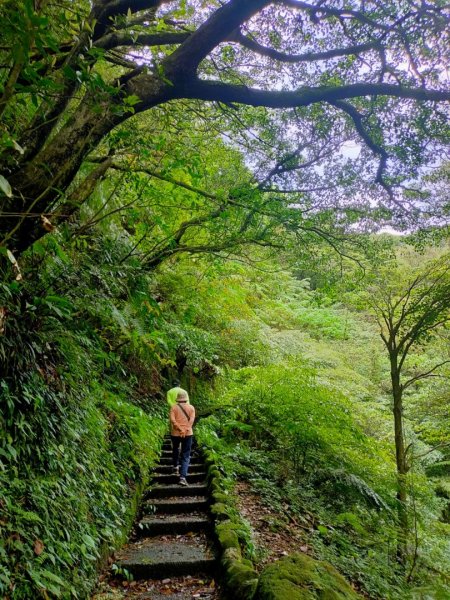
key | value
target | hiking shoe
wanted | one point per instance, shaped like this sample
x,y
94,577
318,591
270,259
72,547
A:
x,y
183,481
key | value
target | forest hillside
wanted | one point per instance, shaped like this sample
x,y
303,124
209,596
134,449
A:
x,y
251,197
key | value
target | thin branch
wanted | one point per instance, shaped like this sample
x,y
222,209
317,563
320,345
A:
x,y
425,375
437,447
254,46
335,12
115,39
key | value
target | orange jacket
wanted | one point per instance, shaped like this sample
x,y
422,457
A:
x,y
179,424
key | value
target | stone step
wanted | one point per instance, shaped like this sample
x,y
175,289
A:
x,y
163,478
193,468
166,557
167,441
165,452
176,525
168,461
166,491
177,505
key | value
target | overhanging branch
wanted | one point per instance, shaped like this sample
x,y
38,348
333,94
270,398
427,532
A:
x,y
304,96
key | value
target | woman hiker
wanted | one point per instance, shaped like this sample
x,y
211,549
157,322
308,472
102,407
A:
x,y
182,416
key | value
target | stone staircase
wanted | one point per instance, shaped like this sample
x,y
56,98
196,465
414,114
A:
x,y
174,537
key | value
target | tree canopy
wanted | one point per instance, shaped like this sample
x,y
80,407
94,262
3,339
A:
x,y
290,81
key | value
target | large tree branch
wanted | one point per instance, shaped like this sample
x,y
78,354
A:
x,y
183,63
231,245
304,96
116,59
357,119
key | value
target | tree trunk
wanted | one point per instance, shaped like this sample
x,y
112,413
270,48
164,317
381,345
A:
x,y
39,185
400,456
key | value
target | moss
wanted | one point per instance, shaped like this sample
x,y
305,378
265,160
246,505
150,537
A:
x,y
220,511
221,497
229,555
228,538
214,472
242,579
215,486
300,577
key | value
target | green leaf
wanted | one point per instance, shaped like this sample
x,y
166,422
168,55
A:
x,y
5,187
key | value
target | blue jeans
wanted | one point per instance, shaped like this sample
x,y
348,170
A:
x,y
186,445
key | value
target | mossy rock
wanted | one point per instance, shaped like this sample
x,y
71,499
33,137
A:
x,y
220,511
241,579
229,555
221,497
228,538
300,577
215,486
214,472
248,562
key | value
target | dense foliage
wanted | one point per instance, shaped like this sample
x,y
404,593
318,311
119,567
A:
x,y
76,444
191,189
311,432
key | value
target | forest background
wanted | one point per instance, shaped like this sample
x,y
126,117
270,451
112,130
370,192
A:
x,y
201,189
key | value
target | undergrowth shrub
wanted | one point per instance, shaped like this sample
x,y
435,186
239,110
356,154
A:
x,y
65,497
75,445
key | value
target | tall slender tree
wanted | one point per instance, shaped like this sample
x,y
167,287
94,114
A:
x,y
411,304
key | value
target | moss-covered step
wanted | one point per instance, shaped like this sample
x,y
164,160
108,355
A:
x,y
300,577
165,491
163,478
166,557
176,505
174,524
